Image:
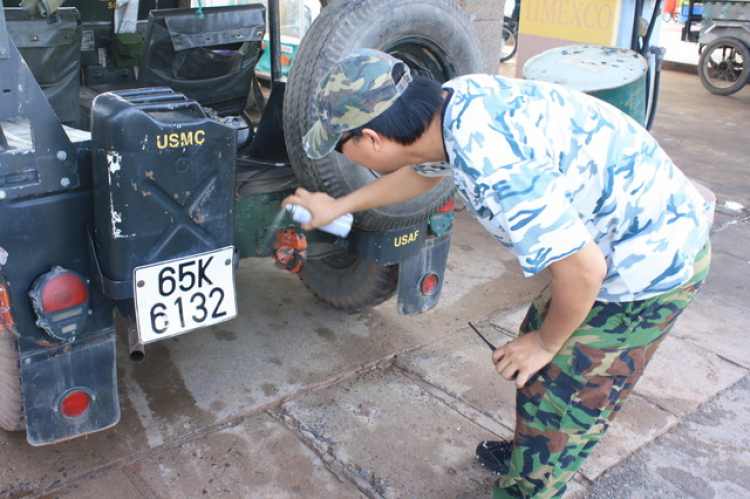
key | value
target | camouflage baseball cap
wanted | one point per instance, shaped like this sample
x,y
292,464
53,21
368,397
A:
x,y
357,89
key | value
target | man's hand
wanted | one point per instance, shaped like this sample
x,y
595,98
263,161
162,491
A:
x,y
521,358
321,206
397,187
576,280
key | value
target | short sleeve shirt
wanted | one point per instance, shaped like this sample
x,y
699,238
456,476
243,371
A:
x,y
547,169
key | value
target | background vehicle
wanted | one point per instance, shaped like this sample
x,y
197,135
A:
x,y
510,30
724,41
180,177
296,18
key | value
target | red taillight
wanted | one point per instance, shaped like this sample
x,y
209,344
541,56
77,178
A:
x,y
429,284
6,318
62,291
75,404
61,302
448,206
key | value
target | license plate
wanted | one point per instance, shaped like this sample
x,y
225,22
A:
x,y
187,293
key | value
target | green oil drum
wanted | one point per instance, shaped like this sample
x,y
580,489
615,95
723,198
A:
x,y
615,75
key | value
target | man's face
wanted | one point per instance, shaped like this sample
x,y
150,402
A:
x,y
374,152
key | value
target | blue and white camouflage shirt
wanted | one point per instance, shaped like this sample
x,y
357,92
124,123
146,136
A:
x,y
547,169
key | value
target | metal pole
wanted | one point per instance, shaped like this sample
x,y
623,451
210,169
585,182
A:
x,y
275,39
636,22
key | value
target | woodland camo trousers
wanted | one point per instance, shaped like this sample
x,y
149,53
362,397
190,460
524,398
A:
x,y
565,409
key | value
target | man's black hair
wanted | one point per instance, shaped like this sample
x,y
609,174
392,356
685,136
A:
x,y
407,119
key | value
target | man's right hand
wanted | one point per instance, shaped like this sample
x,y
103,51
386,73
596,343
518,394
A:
x,y
321,206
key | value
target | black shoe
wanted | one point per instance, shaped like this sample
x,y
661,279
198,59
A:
x,y
495,455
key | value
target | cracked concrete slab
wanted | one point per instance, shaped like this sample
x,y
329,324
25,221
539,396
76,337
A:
x,y
712,324
391,431
101,484
260,457
682,376
461,365
706,456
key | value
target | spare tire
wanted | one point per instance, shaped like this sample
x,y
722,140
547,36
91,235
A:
x,y
11,397
434,37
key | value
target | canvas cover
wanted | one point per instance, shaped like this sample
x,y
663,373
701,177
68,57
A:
x,y
52,50
210,57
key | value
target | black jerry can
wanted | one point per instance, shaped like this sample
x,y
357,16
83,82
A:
x,y
163,182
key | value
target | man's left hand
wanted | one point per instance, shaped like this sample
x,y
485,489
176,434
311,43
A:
x,y
521,358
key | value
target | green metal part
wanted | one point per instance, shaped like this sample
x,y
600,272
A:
x,y
257,218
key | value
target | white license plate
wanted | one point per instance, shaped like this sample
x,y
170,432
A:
x,y
187,293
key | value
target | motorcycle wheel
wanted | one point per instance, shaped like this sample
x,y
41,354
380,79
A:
x,y
724,66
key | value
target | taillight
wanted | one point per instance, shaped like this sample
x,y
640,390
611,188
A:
x,y
62,291
448,206
74,403
429,284
442,221
6,318
60,298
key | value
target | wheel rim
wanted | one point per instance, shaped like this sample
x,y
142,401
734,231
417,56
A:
x,y
424,58
724,66
509,45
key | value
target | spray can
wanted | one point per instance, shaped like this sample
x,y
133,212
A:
x,y
339,227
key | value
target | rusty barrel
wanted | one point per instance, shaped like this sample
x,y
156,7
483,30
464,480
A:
x,y
615,75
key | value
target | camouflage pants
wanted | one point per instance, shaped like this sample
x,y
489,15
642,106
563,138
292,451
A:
x,y
564,410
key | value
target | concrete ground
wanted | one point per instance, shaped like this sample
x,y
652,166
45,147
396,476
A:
x,y
293,399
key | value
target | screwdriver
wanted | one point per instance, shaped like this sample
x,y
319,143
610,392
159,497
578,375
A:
x,y
483,338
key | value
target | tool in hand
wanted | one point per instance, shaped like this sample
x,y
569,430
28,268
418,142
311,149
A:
x,y
339,227
483,338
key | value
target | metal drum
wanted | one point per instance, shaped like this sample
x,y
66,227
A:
x,y
615,75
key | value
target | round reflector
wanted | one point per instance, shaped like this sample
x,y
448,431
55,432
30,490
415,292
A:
x,y
429,284
63,291
75,404
448,206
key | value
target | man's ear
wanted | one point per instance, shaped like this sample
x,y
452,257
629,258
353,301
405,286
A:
x,y
372,138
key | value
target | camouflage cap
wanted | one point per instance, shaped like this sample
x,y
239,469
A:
x,y
355,90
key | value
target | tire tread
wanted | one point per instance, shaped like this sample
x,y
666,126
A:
x,y
11,397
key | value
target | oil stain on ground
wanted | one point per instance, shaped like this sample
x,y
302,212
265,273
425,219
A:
x,y
164,399
224,335
326,333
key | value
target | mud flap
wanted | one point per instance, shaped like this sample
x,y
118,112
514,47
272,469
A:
x,y
431,259
87,365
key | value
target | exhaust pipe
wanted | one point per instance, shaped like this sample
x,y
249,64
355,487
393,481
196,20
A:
x,y
136,348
